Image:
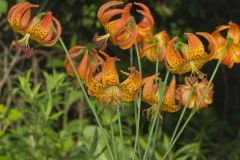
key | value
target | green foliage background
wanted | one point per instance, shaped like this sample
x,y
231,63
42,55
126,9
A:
x,y
44,116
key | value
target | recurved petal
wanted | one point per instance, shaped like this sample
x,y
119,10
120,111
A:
x,y
50,39
131,86
40,28
94,87
212,44
149,92
234,32
217,35
114,26
82,67
109,72
105,6
128,42
149,86
228,58
173,57
169,97
109,14
163,38
196,48
73,52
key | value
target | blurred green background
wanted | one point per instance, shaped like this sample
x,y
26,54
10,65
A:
x,y
34,126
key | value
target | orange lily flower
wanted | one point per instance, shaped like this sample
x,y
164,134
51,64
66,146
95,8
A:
x,y
121,31
183,92
145,26
232,51
193,54
150,96
38,29
149,46
107,87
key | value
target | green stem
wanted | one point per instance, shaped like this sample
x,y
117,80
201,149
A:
x,y
155,137
156,72
86,96
157,55
120,131
131,57
138,103
182,114
204,94
160,100
113,140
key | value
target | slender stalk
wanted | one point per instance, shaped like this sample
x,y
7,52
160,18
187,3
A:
x,y
138,103
113,140
86,96
157,55
160,100
131,57
158,116
179,133
120,131
155,137
204,94
182,114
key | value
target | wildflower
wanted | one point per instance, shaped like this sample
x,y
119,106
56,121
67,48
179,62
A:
x,y
122,32
38,28
231,54
151,46
183,93
150,96
107,88
194,55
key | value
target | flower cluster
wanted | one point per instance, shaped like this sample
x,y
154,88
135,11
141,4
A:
x,y
98,71
39,28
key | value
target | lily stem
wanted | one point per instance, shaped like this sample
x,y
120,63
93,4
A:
x,y
113,140
120,131
182,114
157,41
138,103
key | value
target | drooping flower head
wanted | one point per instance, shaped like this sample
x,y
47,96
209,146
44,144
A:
x,y
151,46
193,55
231,53
183,93
121,31
107,87
39,28
150,95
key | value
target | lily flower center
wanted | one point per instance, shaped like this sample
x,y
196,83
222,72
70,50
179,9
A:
x,y
114,93
23,44
196,70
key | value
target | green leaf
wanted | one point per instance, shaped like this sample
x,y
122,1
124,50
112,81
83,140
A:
x,y
2,108
71,98
56,115
55,63
187,149
94,141
14,115
3,7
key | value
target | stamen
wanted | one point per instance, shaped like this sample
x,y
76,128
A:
x,y
196,70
